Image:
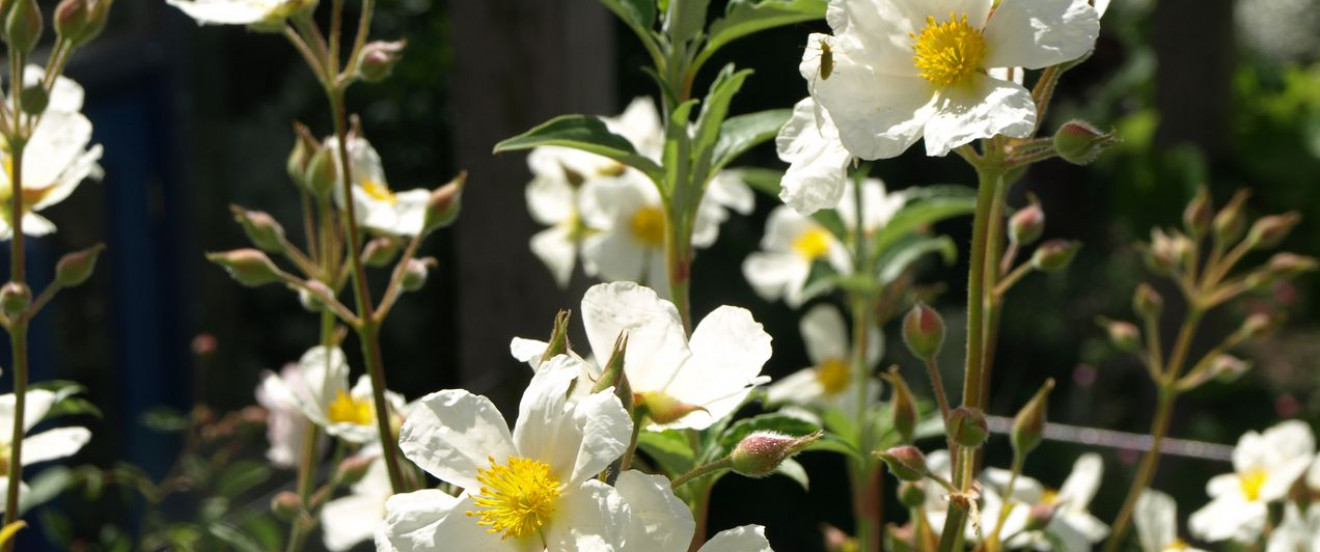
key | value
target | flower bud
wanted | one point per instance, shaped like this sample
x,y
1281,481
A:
x,y
23,25
1228,368
912,493
1026,225
81,21
312,301
906,462
1161,254
1269,231
1230,223
1079,143
904,407
836,540
1054,255
663,408
558,344
1147,302
261,229
1039,517
1289,265
445,202
761,452
923,332
378,59
1199,214
613,375
75,268
414,274
1123,335
1029,424
967,427
249,267
14,299
1256,326
353,469
286,506
322,173
381,251
34,99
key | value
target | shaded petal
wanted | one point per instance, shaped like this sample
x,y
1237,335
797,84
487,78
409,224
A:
x,y
729,190
729,347
878,116
54,444
349,520
550,200
657,345
594,518
557,249
987,107
660,521
801,387
221,12
1038,33
1080,487
578,440
824,333
748,538
614,256
1228,517
1156,518
818,162
324,375
452,433
528,350
774,275
429,520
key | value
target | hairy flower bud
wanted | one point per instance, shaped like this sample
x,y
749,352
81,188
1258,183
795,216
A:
x,y
1054,255
75,268
912,493
81,21
906,462
286,506
1026,225
558,344
261,229
1228,368
445,202
377,59
14,299
1269,231
761,452
1029,424
322,173
414,274
1123,335
1079,143
1256,326
904,406
967,427
353,469
1146,302
1161,253
381,251
23,26
1199,214
923,331
250,267
312,301
1230,222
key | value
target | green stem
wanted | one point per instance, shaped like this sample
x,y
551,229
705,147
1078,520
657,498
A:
x,y
721,464
1146,471
993,542
678,264
19,325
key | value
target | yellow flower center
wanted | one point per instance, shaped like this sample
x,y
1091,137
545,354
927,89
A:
x,y
1177,544
1049,496
613,169
648,226
1251,483
516,499
949,53
347,410
379,191
834,375
812,244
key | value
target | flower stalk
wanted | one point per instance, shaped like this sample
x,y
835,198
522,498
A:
x,y
18,326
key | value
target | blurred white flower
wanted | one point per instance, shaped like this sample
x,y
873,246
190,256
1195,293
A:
x,y
791,245
932,59
683,383
285,423
878,205
1297,532
1281,30
1072,526
357,517
1265,467
828,383
322,394
662,523
262,14
376,206
533,489
45,446
553,200
1156,518
817,160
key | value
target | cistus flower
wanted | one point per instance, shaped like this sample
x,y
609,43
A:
x,y
285,423
828,382
817,160
680,383
553,198
358,516
44,446
1156,518
1071,526
908,69
660,522
323,396
532,489
1298,531
266,15
791,245
376,206
1265,467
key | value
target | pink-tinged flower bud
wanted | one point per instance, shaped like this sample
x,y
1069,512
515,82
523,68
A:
x,y
1199,214
311,297
250,267
1026,225
923,332
381,251
1029,424
761,452
1147,303
445,202
1228,368
261,229
663,408
14,299
1256,326
967,427
1123,335
322,173
836,540
378,59
1269,231
1079,143
304,147
1288,265
903,405
353,469
912,493
287,506
1230,222
906,462
1054,255
1161,255
81,21
1039,517
415,273
75,268
23,26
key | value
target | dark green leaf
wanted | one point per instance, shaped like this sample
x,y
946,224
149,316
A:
x,y
232,536
791,469
72,406
639,14
669,449
919,214
743,132
585,133
685,20
715,107
165,420
898,257
240,477
744,17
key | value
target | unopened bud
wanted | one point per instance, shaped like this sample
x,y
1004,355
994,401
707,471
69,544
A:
x,y
1286,266
80,21
906,462
414,274
1123,335
1269,231
904,407
761,452
75,268
1230,222
1256,326
378,59
1026,225
261,229
1054,255
381,251
23,25
286,506
249,267
1146,302
614,374
14,299
1228,368
444,204
1029,424
1079,143
353,469
311,297
34,99
836,540
558,344
1161,254
923,331
322,173
967,427
663,408
1039,517
912,493
1199,214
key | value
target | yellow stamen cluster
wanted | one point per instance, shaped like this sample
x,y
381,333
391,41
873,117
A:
x,y
347,410
379,191
1177,544
834,375
812,244
1251,483
949,53
1049,497
517,498
648,226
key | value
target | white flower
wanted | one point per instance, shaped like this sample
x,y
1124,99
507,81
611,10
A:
x,y
285,423
323,395
684,384
552,199
1156,518
662,523
828,383
1297,532
791,245
1265,467
263,14
878,206
530,490
41,447
376,206
66,95
357,517
904,69
1072,526
818,162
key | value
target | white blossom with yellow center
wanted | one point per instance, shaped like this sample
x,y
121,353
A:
x,y
322,394
908,69
266,15
1072,528
377,206
1265,466
44,446
1156,519
534,489
828,382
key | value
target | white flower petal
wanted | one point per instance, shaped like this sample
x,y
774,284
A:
x,y
1228,517
1081,485
748,538
801,387
324,375
1156,518
818,162
550,200
1038,33
429,520
230,12
987,107
729,190
774,275
824,333
578,440
729,348
660,521
528,350
657,345
452,433
349,520
557,249
878,116
54,444
1313,475
599,516
614,256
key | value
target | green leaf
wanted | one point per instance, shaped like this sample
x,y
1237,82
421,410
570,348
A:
x,y
240,477
678,146
669,449
791,469
743,132
164,419
586,133
72,406
918,214
765,181
233,537
638,14
715,107
834,443
744,17
898,257
685,20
